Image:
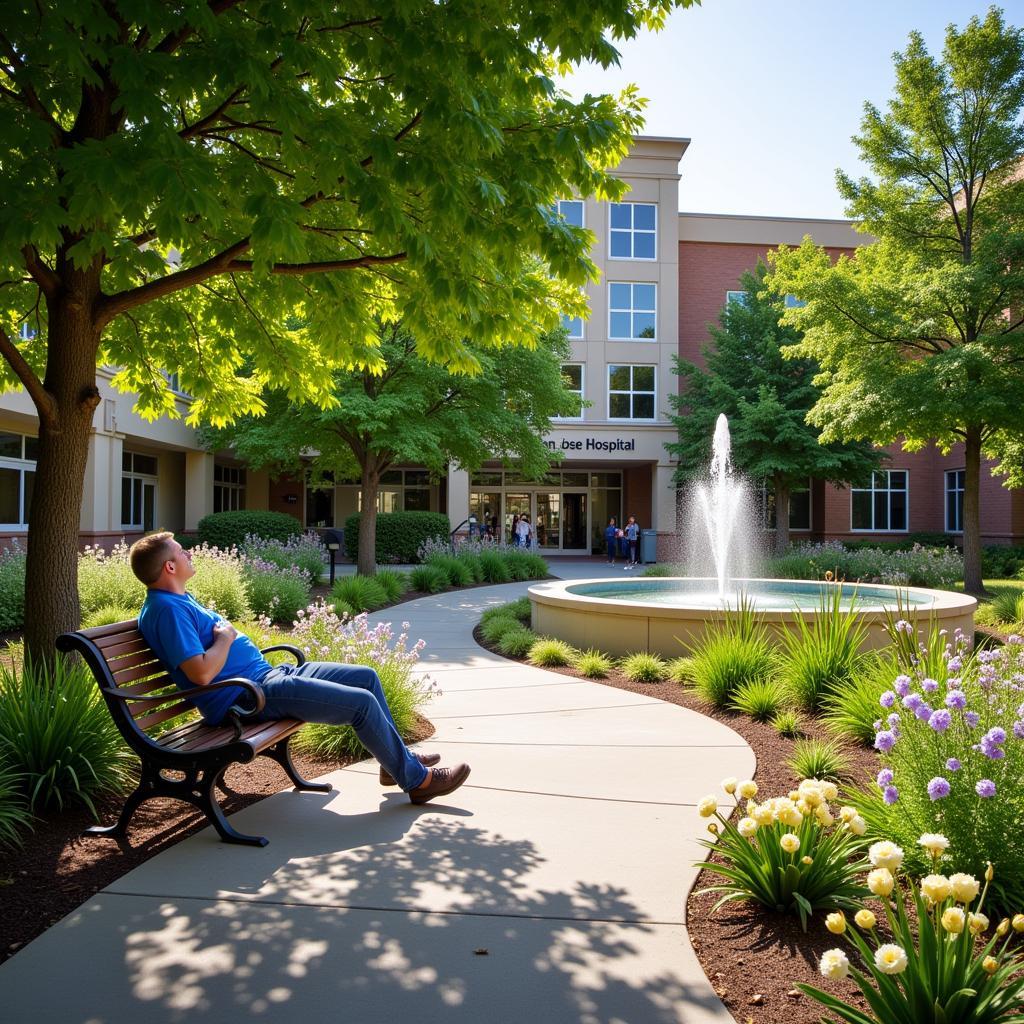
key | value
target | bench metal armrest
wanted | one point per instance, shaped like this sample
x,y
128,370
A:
x,y
300,658
257,694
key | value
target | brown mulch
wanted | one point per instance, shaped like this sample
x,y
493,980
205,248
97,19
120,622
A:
x,y
752,957
58,868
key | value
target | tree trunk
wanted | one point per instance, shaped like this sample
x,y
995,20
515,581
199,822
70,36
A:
x,y
781,516
972,511
366,563
51,579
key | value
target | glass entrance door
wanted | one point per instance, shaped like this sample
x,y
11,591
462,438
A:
x,y
574,521
547,521
515,505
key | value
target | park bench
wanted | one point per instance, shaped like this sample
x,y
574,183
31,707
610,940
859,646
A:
x,y
189,759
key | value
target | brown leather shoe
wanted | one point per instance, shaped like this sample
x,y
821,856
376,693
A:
x,y
427,760
442,781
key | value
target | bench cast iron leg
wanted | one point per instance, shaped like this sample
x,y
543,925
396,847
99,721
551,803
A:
x,y
203,798
145,789
281,753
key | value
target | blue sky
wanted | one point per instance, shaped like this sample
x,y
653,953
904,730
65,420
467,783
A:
x,y
770,92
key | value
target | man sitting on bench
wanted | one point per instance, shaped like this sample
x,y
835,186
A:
x,y
200,647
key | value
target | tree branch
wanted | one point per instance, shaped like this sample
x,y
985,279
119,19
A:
x,y
28,96
43,400
323,267
204,122
49,283
173,40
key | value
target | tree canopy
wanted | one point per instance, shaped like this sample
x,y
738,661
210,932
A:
x,y
920,335
177,180
766,397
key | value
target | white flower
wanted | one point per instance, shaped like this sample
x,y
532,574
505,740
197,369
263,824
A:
x,y
965,887
790,843
978,923
746,827
953,920
885,855
729,785
934,843
890,958
880,881
857,825
707,807
747,790
834,964
935,888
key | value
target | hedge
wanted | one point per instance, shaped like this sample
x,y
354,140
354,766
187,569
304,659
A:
x,y
229,529
399,534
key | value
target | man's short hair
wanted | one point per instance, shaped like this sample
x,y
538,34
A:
x,y
148,555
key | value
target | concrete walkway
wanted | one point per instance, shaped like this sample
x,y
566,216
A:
x,y
551,888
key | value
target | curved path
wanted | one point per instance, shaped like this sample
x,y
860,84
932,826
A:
x,y
551,888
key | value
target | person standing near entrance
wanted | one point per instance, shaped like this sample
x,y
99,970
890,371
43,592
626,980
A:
x,y
611,539
632,532
525,532
515,530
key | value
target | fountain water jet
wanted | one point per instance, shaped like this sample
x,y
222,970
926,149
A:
x,y
720,502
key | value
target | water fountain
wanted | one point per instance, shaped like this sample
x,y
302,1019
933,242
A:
x,y
660,614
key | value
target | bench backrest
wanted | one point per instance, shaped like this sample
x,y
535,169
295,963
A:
x,y
126,668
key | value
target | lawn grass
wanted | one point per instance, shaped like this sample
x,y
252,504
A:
x,y
986,615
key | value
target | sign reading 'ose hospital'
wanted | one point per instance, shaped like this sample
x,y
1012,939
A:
x,y
591,444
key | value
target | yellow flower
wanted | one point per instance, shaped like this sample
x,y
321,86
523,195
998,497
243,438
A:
x,y
857,825
1003,927
807,861
880,881
747,790
953,920
713,828
790,843
965,887
865,919
990,965
847,814
978,923
834,964
793,795
935,888
746,827
762,814
934,843
707,807
891,959
1018,922
829,790
729,785
824,815
790,815
990,872
836,923
885,855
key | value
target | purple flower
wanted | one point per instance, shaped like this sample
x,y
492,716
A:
x,y
913,701
985,788
929,685
956,699
894,722
887,699
902,626
938,788
902,685
1018,730
891,794
940,720
996,735
884,777
955,664
923,712
885,741
876,724
953,765
971,718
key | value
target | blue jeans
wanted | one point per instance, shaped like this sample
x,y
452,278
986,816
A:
x,y
322,691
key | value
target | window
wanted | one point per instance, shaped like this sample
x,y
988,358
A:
x,y
792,302
573,326
955,500
741,298
138,491
632,311
17,479
571,211
631,392
799,507
633,231
572,379
883,505
320,500
228,488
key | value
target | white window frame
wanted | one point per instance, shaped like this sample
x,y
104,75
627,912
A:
x,y
873,490
21,466
568,322
738,296
147,479
632,310
955,474
232,489
581,392
653,393
575,202
633,232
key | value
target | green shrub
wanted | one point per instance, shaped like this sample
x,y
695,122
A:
x,y
1001,561
822,658
819,874
516,643
472,562
551,653
276,592
663,570
219,583
399,534
57,735
458,572
497,626
226,530
521,608
680,670
305,551
395,584
882,563
819,759
852,711
593,664
524,565
1008,607
759,698
495,568
12,589
107,579
729,654
788,722
108,614
360,593
642,667
14,815
429,579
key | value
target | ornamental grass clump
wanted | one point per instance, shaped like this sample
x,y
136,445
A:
x,y
428,579
593,664
950,737
458,572
946,964
851,712
642,667
516,643
759,698
494,628
551,653
819,759
789,723
355,594
791,854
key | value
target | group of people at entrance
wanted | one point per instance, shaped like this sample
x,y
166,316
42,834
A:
x,y
522,532
624,541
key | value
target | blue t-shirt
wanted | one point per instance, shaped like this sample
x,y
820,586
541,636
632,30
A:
x,y
178,627
610,533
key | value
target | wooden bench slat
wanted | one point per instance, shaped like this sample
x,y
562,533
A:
x,y
146,686
132,659
99,633
120,646
140,672
165,714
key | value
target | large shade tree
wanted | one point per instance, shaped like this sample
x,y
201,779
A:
x,y
414,411
920,336
177,180
767,398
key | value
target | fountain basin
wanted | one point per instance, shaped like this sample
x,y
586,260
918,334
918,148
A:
x,y
663,614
